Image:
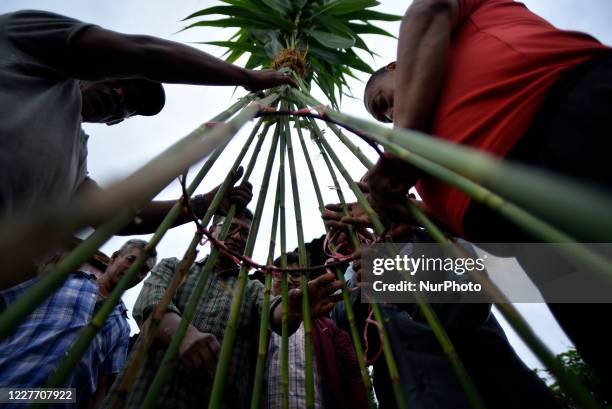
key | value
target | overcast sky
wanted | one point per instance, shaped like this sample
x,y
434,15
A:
x,y
115,152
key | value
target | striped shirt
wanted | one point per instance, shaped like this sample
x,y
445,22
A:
x,y
297,373
187,388
40,342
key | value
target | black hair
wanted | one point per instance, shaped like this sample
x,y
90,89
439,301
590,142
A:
x,y
375,75
292,258
246,213
141,244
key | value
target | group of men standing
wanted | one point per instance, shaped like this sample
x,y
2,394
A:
x,y
538,95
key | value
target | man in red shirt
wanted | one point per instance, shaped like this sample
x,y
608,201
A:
x,y
492,75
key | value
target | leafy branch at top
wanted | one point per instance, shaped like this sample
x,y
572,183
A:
x,y
323,32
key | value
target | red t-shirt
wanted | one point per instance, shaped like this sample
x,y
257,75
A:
x,y
502,61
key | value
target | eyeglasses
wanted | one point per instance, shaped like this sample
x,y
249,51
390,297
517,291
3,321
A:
x,y
120,105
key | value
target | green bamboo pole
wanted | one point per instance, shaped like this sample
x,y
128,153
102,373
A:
x,y
229,335
387,351
589,207
365,161
302,258
127,194
172,351
534,226
284,282
139,354
58,377
170,355
537,228
262,349
365,376
464,379
55,276
570,384
531,224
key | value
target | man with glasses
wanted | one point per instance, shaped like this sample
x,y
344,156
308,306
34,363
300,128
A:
x,y
40,343
58,72
190,381
338,381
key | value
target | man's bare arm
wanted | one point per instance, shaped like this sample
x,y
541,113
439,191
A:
x,y
322,300
97,53
151,215
422,53
198,350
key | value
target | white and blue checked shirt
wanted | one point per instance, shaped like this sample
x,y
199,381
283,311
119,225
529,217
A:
x,y
297,373
38,345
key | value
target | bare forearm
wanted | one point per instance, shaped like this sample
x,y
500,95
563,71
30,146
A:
x,y
423,48
99,54
294,319
169,326
171,62
148,219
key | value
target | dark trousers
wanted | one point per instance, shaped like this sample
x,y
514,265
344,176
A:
x,y
571,135
428,380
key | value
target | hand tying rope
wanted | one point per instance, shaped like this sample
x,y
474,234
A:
x,y
241,259
337,247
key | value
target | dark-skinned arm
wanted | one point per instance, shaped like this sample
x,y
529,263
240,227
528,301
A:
x,y
198,350
322,300
151,215
422,54
96,53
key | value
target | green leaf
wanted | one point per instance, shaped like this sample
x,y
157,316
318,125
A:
x,y
359,43
282,6
248,10
334,25
366,15
273,47
223,10
352,60
325,54
337,7
298,4
330,40
243,46
369,29
234,55
227,22
255,61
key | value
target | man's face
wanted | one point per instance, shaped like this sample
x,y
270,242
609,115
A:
x,y
121,262
237,236
293,279
105,102
379,96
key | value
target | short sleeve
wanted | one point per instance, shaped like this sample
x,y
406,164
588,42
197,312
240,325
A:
x,y
153,290
467,7
43,37
115,360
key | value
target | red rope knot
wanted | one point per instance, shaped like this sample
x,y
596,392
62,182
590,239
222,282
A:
x,y
371,321
263,108
211,124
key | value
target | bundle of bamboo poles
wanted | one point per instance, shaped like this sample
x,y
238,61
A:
x,y
498,185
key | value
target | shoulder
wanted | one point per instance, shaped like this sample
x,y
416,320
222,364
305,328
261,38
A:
x,y
40,37
167,263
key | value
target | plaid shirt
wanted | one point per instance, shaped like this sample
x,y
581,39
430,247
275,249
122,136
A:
x,y
297,373
38,345
188,388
